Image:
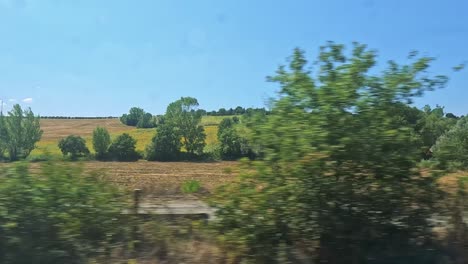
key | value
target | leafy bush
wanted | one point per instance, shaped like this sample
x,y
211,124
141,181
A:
x,y
165,145
231,145
338,170
123,148
146,121
58,216
212,152
101,142
451,149
139,118
191,186
74,146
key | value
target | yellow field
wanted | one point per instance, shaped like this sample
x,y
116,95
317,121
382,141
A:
x,y
155,178
56,129
212,120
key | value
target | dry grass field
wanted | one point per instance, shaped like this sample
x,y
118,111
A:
x,y
56,129
164,178
154,178
157,178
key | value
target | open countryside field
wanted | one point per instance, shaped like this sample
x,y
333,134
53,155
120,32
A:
x,y
154,178
56,129
157,178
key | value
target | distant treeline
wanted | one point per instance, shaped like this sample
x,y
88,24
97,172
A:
x,y
78,117
221,112
233,111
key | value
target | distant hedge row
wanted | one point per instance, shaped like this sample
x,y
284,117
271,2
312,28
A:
x,y
78,117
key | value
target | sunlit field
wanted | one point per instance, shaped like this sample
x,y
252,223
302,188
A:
x,y
56,129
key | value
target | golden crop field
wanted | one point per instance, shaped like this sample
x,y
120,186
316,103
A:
x,y
157,178
154,178
163,178
56,129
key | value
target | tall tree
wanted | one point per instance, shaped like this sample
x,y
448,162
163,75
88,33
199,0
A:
x,y
21,132
165,145
101,142
186,122
232,145
338,166
3,136
123,148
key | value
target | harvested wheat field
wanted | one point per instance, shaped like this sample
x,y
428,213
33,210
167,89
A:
x,y
158,178
56,129
163,178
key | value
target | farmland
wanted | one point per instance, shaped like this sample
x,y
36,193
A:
x,y
56,129
158,178
154,178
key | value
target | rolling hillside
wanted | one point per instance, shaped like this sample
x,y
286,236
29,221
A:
x,y
56,129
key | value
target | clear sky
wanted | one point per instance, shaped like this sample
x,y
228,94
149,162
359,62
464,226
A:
x,y
99,58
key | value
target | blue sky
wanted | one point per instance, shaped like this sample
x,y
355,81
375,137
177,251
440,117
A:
x,y
99,58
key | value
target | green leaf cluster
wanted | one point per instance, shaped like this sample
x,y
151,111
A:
x,y
19,133
57,215
337,182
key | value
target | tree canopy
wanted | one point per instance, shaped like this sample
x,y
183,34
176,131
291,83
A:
x,y
186,124
19,132
74,146
139,118
338,165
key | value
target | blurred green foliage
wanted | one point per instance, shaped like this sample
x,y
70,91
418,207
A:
x,y
451,149
338,182
57,215
232,145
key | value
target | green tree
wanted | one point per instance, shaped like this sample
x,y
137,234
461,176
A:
x,y
165,145
123,148
3,136
338,166
432,125
146,121
451,149
232,145
74,146
101,142
57,215
20,131
186,122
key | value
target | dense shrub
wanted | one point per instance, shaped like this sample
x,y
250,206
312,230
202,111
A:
x,y
101,142
123,148
338,181
231,145
165,145
191,186
451,149
139,118
58,216
73,146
